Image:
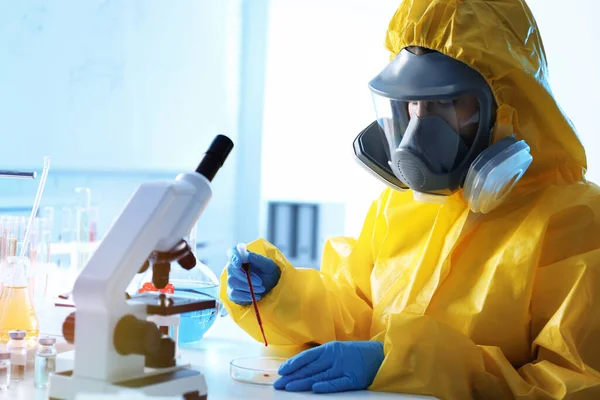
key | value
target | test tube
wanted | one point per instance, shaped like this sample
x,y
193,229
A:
x,y
12,236
66,227
93,224
39,282
34,241
2,240
83,225
45,240
84,198
36,205
48,215
21,224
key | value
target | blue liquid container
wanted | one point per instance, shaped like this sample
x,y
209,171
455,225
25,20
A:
x,y
193,326
198,283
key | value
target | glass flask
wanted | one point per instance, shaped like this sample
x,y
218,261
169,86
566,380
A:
x,y
16,306
197,283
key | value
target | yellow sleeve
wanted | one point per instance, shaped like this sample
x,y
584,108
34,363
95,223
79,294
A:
x,y
310,306
424,356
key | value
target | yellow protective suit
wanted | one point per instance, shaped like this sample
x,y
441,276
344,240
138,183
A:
x,y
502,305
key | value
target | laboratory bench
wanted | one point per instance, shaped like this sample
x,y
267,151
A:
x,y
212,355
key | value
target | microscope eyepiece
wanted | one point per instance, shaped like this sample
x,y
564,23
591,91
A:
x,y
215,156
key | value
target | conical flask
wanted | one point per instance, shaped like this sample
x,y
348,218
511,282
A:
x,y
16,307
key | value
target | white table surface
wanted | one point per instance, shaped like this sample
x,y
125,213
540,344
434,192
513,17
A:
x,y
224,342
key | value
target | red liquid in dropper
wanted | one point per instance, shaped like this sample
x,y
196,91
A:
x,y
246,268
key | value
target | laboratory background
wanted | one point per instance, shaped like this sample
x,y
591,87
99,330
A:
x,y
110,94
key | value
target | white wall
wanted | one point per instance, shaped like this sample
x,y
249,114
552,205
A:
x,y
321,56
570,34
102,84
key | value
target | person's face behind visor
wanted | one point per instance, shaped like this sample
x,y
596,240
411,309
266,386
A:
x,y
462,114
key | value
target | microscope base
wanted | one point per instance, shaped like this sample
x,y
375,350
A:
x,y
185,382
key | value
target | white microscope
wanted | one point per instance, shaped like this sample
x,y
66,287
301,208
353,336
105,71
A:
x,y
116,348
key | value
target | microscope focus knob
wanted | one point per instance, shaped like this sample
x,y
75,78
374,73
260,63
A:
x,y
164,357
68,328
135,336
187,261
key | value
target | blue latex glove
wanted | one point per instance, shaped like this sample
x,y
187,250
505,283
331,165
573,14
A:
x,y
332,367
264,274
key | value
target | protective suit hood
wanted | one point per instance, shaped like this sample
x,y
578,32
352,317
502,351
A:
x,y
511,58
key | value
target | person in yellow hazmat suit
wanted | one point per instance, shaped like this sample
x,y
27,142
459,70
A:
x,y
477,272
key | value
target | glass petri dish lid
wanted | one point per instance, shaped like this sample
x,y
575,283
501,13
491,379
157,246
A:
x,y
256,370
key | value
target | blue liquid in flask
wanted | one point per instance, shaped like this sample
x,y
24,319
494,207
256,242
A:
x,y
194,325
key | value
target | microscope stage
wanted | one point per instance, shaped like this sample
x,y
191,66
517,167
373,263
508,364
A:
x,y
161,304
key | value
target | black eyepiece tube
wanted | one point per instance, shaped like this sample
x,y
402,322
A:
x,y
215,156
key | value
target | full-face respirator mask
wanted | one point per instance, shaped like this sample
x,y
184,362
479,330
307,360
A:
x,y
435,119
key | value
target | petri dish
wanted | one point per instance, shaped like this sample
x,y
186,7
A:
x,y
256,370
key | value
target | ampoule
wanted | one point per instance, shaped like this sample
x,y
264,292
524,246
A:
x,y
18,354
4,369
45,361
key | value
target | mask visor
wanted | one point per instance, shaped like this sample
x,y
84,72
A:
x,y
460,114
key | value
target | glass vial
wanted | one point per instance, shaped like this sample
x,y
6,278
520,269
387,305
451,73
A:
x,y
4,369
45,361
18,354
